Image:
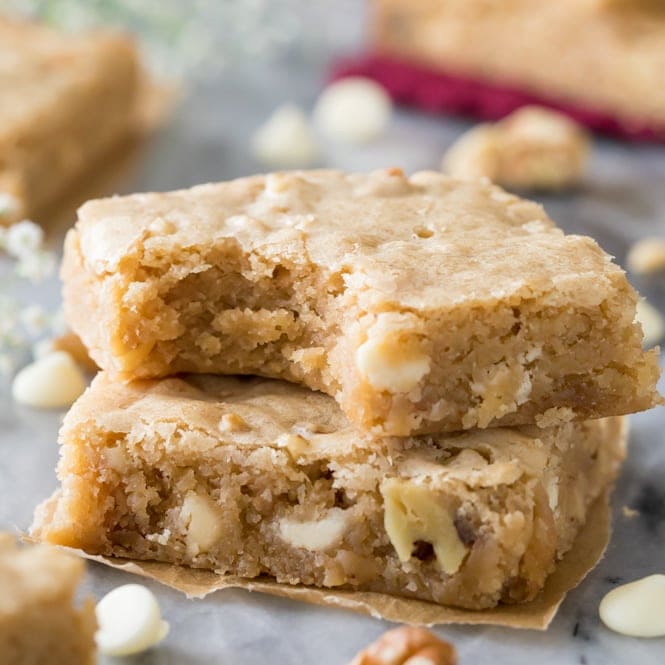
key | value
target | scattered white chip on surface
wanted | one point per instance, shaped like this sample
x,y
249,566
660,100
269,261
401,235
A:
x,y
53,381
647,256
285,139
636,609
652,322
353,110
129,621
23,239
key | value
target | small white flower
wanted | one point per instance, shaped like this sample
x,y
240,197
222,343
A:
x,y
6,365
59,323
8,316
23,239
36,266
8,204
11,340
34,319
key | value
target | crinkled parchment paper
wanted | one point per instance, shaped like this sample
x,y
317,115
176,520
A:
x,y
537,614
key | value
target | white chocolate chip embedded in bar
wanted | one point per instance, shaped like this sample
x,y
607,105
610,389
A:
x,y
303,496
202,519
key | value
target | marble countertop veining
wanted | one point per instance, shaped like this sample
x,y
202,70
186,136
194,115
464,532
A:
x,y
622,199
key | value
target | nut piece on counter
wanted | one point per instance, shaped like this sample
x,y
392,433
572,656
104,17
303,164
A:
x,y
647,256
39,622
52,382
353,110
129,620
286,139
407,645
532,148
636,609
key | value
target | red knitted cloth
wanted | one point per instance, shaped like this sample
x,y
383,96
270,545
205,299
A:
x,y
439,92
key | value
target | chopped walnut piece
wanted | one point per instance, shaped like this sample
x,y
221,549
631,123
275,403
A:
x,y
407,645
532,148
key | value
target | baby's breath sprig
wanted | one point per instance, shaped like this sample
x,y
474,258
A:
x,y
23,324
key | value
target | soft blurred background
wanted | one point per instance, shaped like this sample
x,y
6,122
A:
x,y
233,62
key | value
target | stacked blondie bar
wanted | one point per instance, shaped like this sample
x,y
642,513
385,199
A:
x,y
410,385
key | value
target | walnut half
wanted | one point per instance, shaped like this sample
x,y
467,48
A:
x,y
407,645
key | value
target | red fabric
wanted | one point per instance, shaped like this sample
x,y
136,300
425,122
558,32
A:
x,y
439,92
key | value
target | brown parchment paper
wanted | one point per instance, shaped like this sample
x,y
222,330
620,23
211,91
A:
x,y
587,550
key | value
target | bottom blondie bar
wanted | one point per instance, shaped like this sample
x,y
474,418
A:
x,y
258,477
38,620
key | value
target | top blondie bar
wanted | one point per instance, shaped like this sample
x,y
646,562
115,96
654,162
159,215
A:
x,y
420,303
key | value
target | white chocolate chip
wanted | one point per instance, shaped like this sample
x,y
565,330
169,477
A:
x,y
202,519
232,422
651,321
353,110
294,443
129,621
636,609
647,256
392,364
285,139
315,535
413,513
53,381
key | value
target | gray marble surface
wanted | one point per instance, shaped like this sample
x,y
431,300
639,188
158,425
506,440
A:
x,y
622,199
